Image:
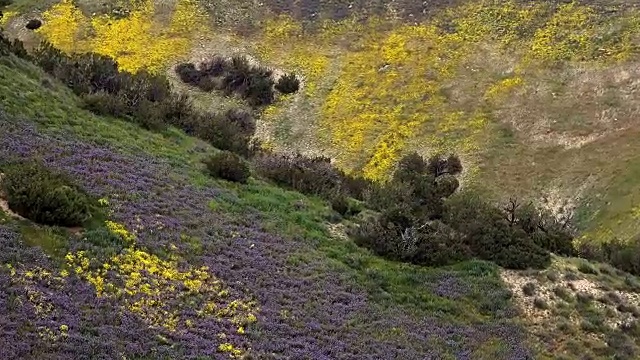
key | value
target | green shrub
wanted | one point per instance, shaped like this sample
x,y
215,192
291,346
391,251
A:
x,y
540,303
103,103
207,84
529,289
46,197
14,46
586,268
356,186
188,73
222,132
311,176
229,166
438,245
288,84
213,67
252,83
490,235
5,3
340,204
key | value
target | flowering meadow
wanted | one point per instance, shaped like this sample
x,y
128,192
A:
x,y
182,267
547,80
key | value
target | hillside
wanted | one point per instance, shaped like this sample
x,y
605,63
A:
x,y
537,101
539,98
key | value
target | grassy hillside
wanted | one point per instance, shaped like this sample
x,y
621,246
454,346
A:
x,y
535,98
224,268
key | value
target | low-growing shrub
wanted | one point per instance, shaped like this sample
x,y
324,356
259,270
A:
x,y
340,204
288,84
490,235
14,46
103,103
37,193
529,289
229,166
188,73
222,132
312,176
563,293
213,67
207,84
540,303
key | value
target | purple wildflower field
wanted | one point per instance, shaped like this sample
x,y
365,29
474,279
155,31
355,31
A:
x,y
235,295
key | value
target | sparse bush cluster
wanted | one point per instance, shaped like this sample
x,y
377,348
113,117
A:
x,y
33,24
421,222
143,98
624,255
39,194
236,75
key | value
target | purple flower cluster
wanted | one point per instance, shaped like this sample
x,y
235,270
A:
x,y
307,310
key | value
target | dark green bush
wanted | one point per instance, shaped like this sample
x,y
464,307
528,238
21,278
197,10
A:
x,y
207,84
33,24
150,116
490,235
213,67
529,289
288,84
356,186
223,133
313,176
44,196
252,83
437,244
188,73
229,166
5,3
14,46
103,103
340,204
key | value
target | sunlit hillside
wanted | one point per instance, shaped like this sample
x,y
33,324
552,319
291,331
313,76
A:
x,y
538,99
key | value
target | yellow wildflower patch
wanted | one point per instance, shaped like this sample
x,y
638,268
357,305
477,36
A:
x,y
62,26
158,290
138,41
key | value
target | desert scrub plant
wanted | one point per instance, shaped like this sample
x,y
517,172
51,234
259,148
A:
x,y
288,84
228,166
540,303
45,196
311,176
340,204
188,73
529,289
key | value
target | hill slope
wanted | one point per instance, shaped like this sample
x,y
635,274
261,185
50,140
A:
x,y
274,280
536,98
277,281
